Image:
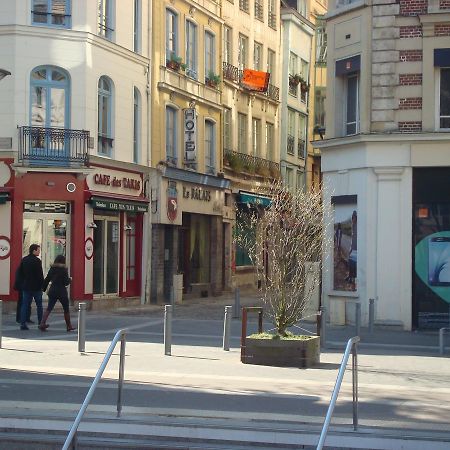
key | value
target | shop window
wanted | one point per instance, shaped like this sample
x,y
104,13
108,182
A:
x,y
105,19
171,34
171,135
242,256
191,49
210,147
131,251
54,13
137,28
137,115
199,257
444,98
105,119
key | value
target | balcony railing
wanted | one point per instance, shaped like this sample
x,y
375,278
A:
x,y
259,10
53,146
232,73
241,162
272,20
290,145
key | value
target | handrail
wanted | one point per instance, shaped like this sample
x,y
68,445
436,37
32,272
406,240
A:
x,y
119,335
351,346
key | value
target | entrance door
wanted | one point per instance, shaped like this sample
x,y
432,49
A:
x,y
106,255
51,232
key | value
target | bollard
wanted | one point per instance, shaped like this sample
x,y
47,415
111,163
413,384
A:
x,y
121,375
1,322
168,330
82,327
371,314
237,303
227,328
358,318
323,322
441,340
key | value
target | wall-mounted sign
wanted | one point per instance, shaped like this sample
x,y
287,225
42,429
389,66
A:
x,y
118,205
115,181
197,193
190,135
5,247
255,80
89,248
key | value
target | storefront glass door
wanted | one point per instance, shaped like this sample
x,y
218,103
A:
x,y
106,256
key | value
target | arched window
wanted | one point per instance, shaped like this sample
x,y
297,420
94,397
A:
x,y
210,147
137,125
171,135
55,13
105,122
49,97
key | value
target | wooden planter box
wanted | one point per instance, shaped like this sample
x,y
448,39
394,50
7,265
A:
x,y
282,353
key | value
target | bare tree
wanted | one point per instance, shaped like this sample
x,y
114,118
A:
x,y
283,242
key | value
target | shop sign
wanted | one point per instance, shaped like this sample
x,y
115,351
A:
x,y
108,180
197,193
115,182
116,205
172,201
190,135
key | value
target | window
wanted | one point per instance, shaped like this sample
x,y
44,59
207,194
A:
x,y
210,55
304,71
227,130
270,150
105,19
271,64
242,133
137,126
321,43
51,13
272,15
444,99
319,107
302,133
300,180
301,7
256,137
191,49
105,135
171,34
137,26
243,5
227,45
259,10
293,69
243,52
210,147
171,135
291,132
351,105
289,178
257,56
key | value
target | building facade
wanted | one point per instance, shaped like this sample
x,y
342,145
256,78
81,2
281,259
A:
x,y
385,160
74,151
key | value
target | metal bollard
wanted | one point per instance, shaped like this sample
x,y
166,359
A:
x,y
1,322
441,340
82,327
358,318
371,314
237,303
168,330
323,331
121,375
227,328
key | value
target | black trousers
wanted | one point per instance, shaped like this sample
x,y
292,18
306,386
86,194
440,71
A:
x,y
52,302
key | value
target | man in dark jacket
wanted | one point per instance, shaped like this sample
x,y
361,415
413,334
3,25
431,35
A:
x,y
18,287
32,282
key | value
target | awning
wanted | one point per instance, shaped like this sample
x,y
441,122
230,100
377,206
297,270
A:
x,y
4,197
442,57
252,199
118,205
348,65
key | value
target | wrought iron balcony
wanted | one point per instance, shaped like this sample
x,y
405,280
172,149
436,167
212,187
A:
x,y
53,147
241,162
290,144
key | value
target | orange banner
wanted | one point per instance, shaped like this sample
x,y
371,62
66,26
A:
x,y
254,80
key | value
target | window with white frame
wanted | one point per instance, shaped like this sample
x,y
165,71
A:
x,y
227,130
105,119
137,28
105,19
171,135
444,98
300,180
301,7
257,55
272,14
291,132
302,130
271,64
351,104
321,42
171,35
304,72
137,116
242,133
270,150
210,55
55,13
293,71
210,147
191,49
290,178
243,52
227,45
259,10
256,137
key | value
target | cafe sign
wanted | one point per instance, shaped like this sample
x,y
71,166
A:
x,y
190,135
118,205
115,182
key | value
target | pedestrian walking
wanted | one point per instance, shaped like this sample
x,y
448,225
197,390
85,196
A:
x,y
18,286
32,281
58,278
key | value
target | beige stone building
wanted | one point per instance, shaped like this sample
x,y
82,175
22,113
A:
x,y
385,160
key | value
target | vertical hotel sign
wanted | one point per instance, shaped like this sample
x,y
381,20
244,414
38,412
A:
x,y
190,135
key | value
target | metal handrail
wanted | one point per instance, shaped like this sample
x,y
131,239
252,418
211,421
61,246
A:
x,y
351,346
119,335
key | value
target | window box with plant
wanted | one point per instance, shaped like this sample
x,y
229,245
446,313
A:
x,y
212,80
175,63
297,79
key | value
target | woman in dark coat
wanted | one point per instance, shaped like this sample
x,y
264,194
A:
x,y
59,277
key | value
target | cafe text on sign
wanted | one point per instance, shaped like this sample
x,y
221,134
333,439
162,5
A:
x,y
108,180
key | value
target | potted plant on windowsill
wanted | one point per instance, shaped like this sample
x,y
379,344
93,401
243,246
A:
x,y
175,63
212,80
294,80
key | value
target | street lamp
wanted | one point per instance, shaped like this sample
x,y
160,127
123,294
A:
x,y
4,73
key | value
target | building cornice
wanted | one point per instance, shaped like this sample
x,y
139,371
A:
x,y
344,9
291,14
